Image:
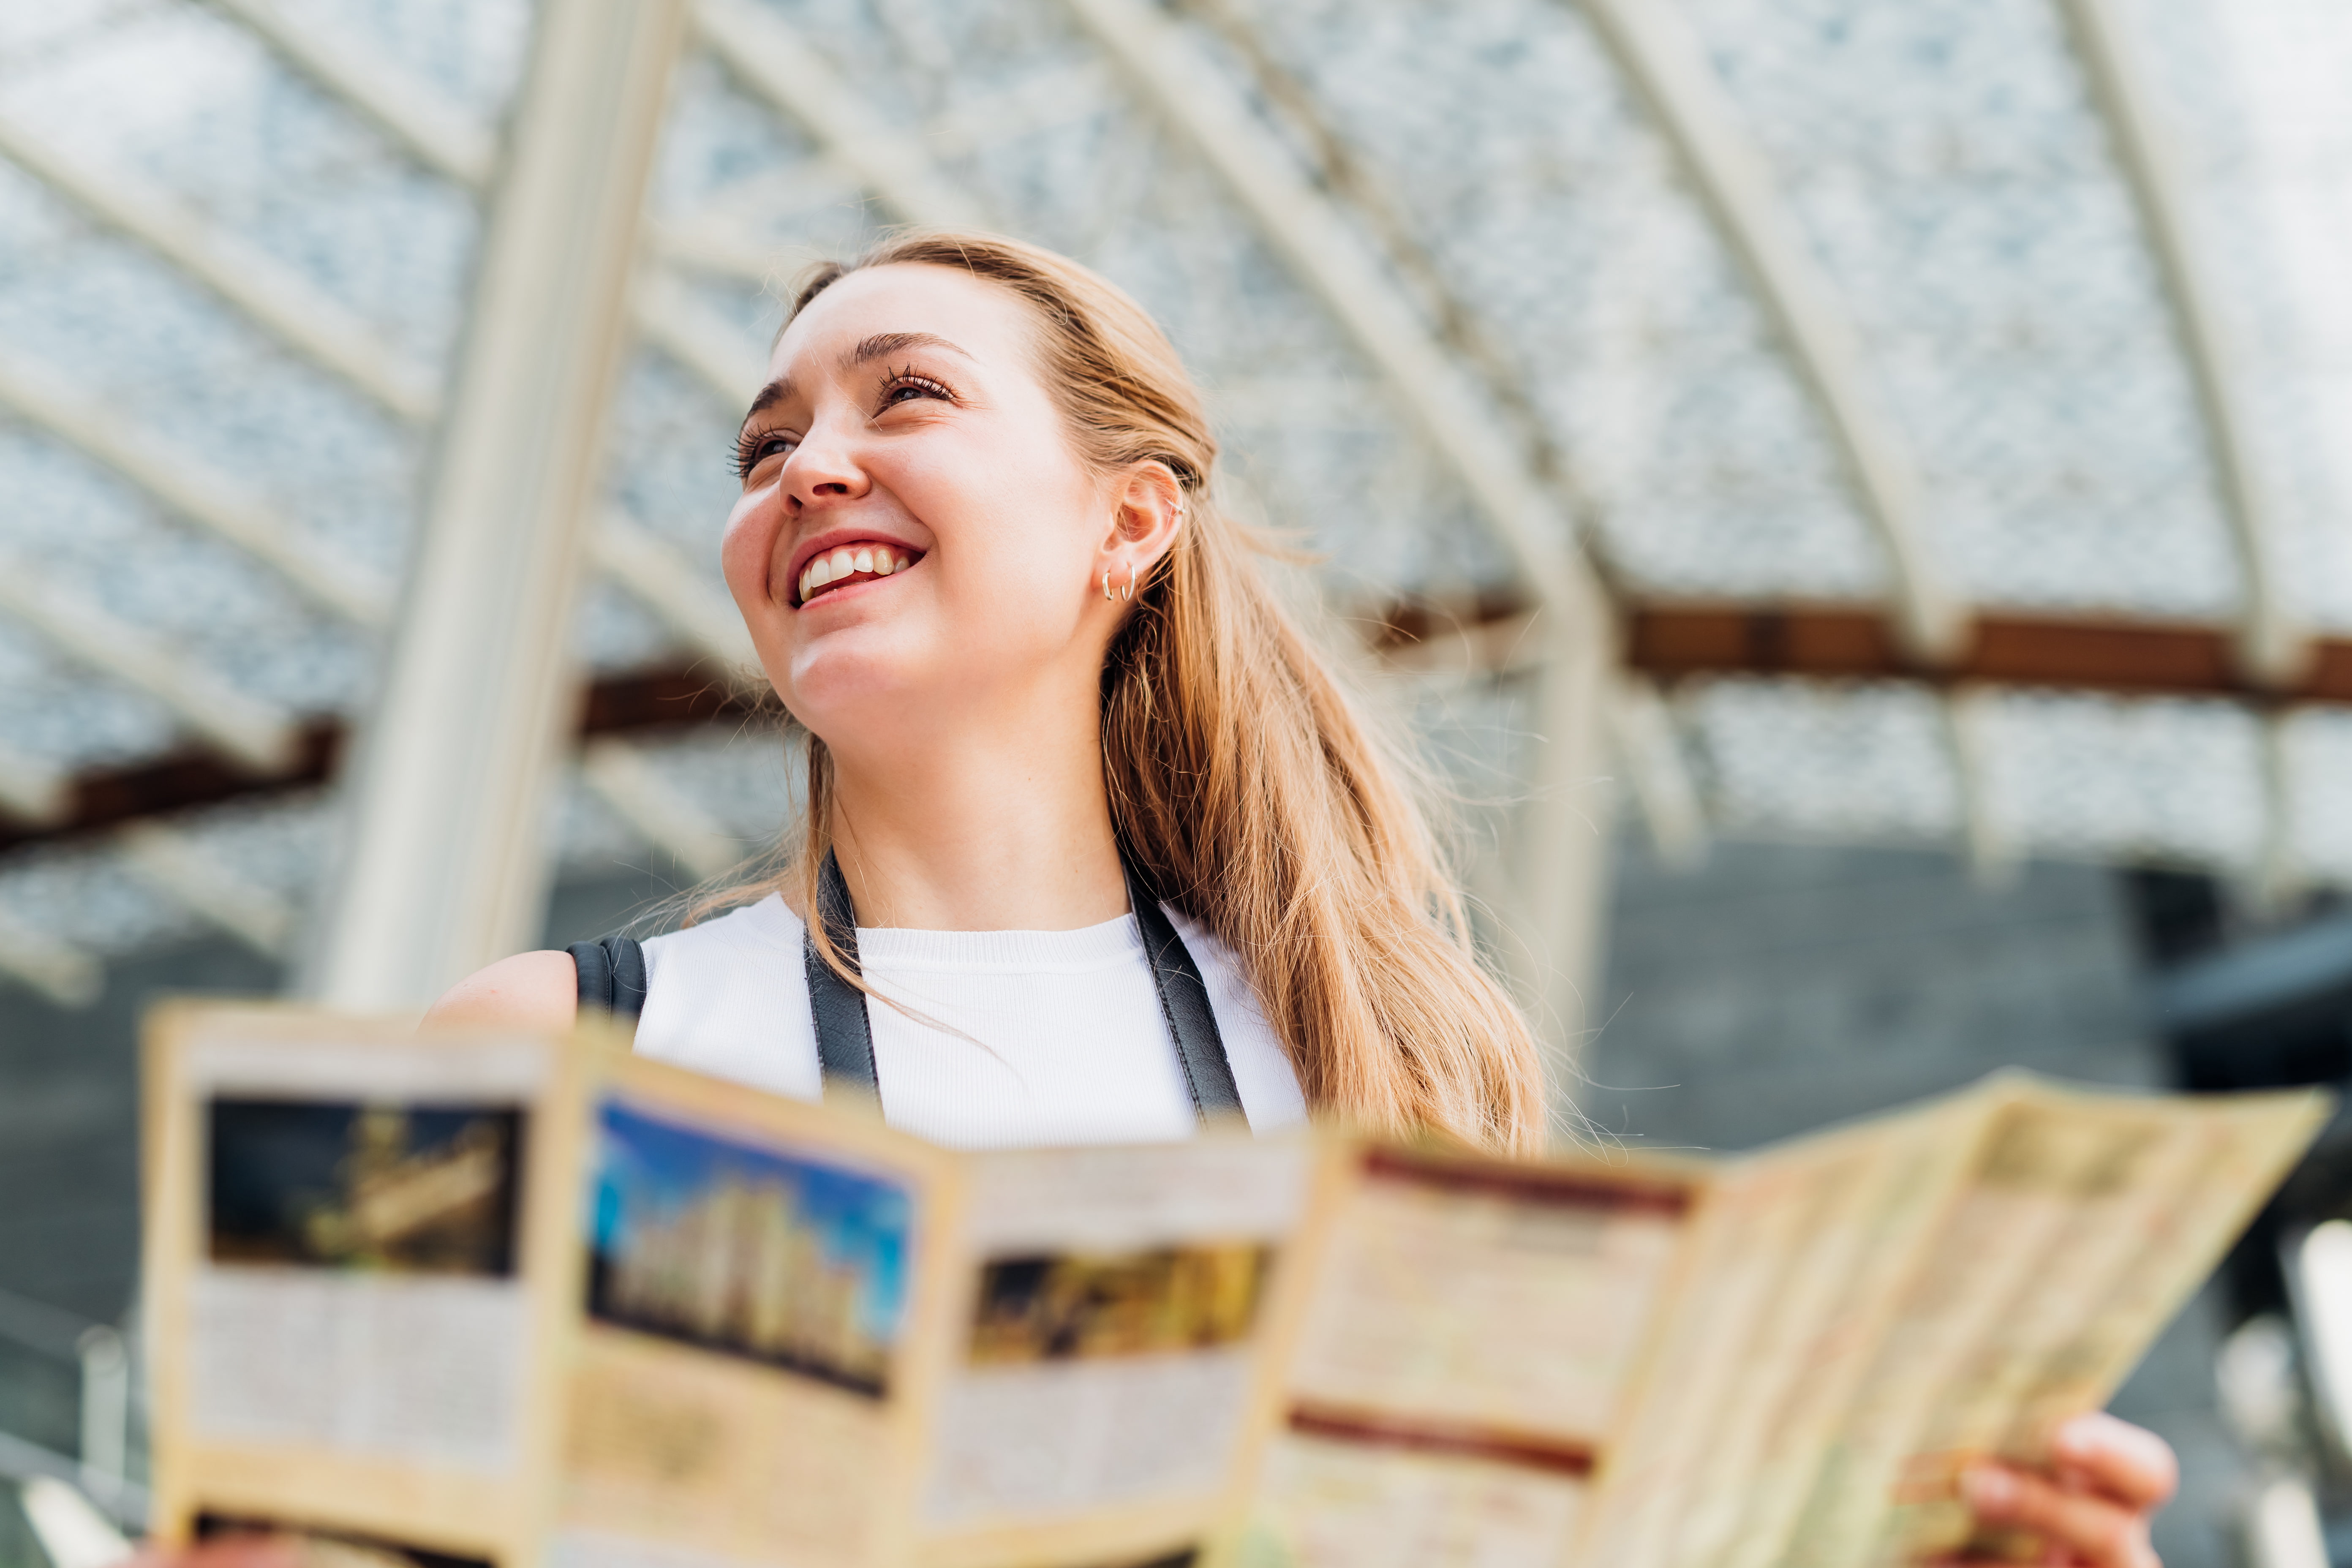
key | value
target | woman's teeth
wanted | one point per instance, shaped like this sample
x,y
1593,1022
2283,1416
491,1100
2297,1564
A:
x,y
851,561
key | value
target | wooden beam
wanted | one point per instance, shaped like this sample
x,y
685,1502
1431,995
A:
x,y
106,798
2134,658
1666,643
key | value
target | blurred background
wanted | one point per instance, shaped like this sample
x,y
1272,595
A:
x,y
1856,496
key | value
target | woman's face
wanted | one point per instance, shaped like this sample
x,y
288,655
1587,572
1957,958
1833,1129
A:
x,y
916,541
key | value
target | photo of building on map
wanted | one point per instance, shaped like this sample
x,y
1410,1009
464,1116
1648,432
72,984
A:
x,y
333,1185
797,1263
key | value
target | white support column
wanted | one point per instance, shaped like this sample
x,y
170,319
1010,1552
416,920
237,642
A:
x,y
1565,842
1642,737
2275,648
1655,49
446,865
1969,714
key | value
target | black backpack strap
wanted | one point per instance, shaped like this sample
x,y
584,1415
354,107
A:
x,y
612,974
1184,1002
844,1034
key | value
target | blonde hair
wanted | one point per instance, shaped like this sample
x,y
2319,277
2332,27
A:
x,y
1242,781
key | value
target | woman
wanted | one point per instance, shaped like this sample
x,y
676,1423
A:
x,y
979,553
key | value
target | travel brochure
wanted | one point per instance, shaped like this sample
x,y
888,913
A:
x,y
436,1301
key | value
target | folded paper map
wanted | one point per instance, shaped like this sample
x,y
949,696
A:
x,y
438,1300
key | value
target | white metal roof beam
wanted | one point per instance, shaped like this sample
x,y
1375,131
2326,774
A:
x,y
33,790
188,487
1299,222
658,573
2275,648
438,134
442,136
174,861
770,57
1562,854
256,285
621,774
1655,49
257,733
67,976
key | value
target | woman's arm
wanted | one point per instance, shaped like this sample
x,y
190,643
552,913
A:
x,y
528,990
2111,1477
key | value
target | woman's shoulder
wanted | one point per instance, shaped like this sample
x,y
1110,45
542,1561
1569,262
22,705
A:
x,y
728,996
759,927
531,990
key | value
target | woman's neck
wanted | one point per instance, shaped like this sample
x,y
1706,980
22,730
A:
x,y
1001,827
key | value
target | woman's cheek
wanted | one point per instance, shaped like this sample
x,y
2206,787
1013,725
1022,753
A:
x,y
744,549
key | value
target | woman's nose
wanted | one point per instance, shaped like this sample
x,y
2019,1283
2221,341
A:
x,y
823,467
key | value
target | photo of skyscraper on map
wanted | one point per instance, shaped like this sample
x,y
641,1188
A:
x,y
795,1262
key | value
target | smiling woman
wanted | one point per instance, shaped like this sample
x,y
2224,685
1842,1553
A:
x,y
1096,845
1103,849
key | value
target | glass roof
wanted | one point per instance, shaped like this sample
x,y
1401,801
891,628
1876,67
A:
x,y
236,242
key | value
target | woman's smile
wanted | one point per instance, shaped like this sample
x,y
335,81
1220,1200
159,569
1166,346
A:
x,y
849,566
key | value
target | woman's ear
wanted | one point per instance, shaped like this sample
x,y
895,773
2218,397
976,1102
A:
x,y
1147,513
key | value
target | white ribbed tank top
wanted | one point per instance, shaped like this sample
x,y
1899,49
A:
x,y
1067,1041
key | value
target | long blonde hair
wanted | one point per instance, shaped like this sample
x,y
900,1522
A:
x,y
1242,780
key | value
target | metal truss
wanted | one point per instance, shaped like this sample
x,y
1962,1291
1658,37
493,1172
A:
x,y
258,734
249,281
2275,648
174,861
621,777
67,974
658,574
769,57
186,485
1656,52
439,135
33,791
1563,837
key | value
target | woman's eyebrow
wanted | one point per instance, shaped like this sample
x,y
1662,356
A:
x,y
883,343
878,346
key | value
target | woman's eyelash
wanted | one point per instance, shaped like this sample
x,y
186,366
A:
x,y
909,380
748,449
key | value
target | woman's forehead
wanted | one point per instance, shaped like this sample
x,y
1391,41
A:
x,y
909,301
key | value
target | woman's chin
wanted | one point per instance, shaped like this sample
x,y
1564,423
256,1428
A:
x,y
855,678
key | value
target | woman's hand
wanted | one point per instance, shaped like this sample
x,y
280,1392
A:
x,y
2110,1476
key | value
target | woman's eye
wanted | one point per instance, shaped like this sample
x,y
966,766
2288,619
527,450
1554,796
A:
x,y
754,450
907,388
